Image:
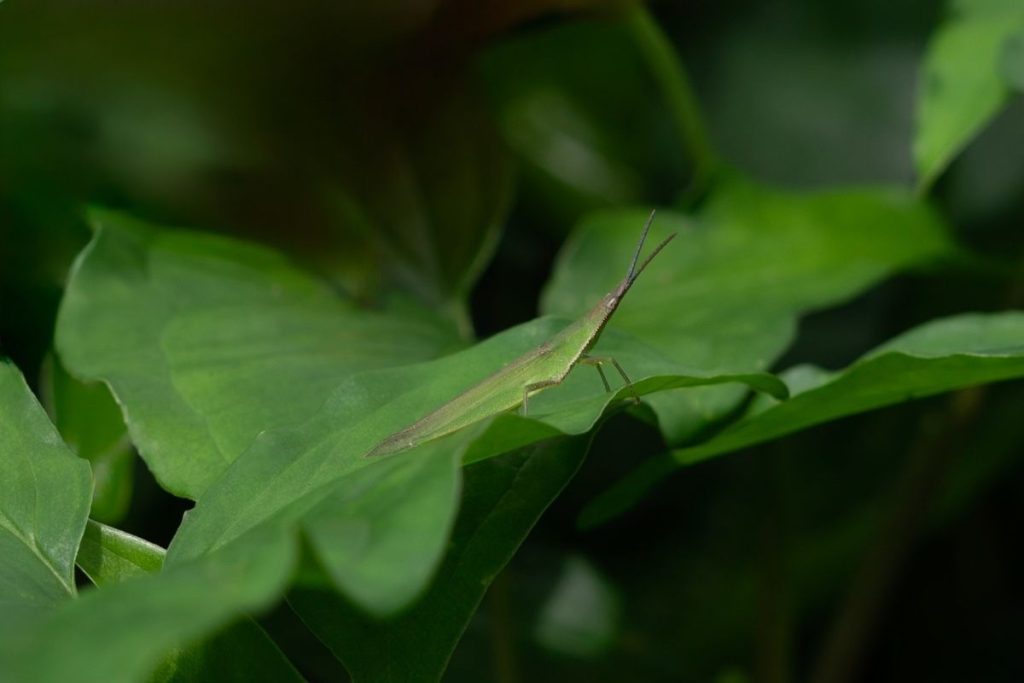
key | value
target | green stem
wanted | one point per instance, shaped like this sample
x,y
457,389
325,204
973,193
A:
x,y
668,70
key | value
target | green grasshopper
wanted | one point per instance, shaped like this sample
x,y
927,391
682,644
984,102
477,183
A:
x,y
540,368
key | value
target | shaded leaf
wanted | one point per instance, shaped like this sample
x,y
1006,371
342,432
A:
x,y
90,422
243,652
503,498
580,148
44,501
378,528
430,192
121,632
962,87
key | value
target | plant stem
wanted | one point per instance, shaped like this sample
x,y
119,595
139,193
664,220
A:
x,y
675,84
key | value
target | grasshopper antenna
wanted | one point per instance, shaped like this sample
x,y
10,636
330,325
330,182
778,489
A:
x,y
634,272
631,275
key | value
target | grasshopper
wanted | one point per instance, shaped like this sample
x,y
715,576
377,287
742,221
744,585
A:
x,y
537,369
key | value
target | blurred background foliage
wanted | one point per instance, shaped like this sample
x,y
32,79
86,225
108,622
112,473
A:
x,y
356,136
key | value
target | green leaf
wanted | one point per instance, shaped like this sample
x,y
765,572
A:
x,y
232,341
44,501
316,476
243,652
1012,62
377,527
108,555
122,631
940,356
724,297
380,532
503,498
962,87
90,422
206,342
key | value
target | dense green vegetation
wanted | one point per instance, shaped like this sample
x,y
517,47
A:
x,y
388,202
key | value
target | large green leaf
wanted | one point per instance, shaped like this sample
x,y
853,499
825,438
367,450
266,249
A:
x,y
316,476
121,632
503,499
206,341
378,530
44,501
725,296
963,86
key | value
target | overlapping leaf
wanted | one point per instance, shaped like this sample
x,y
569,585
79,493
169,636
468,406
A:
x,y
725,296
235,342
123,631
317,476
242,652
206,342
90,423
503,500
120,632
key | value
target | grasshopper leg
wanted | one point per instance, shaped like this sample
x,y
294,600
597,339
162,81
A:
x,y
600,371
598,361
